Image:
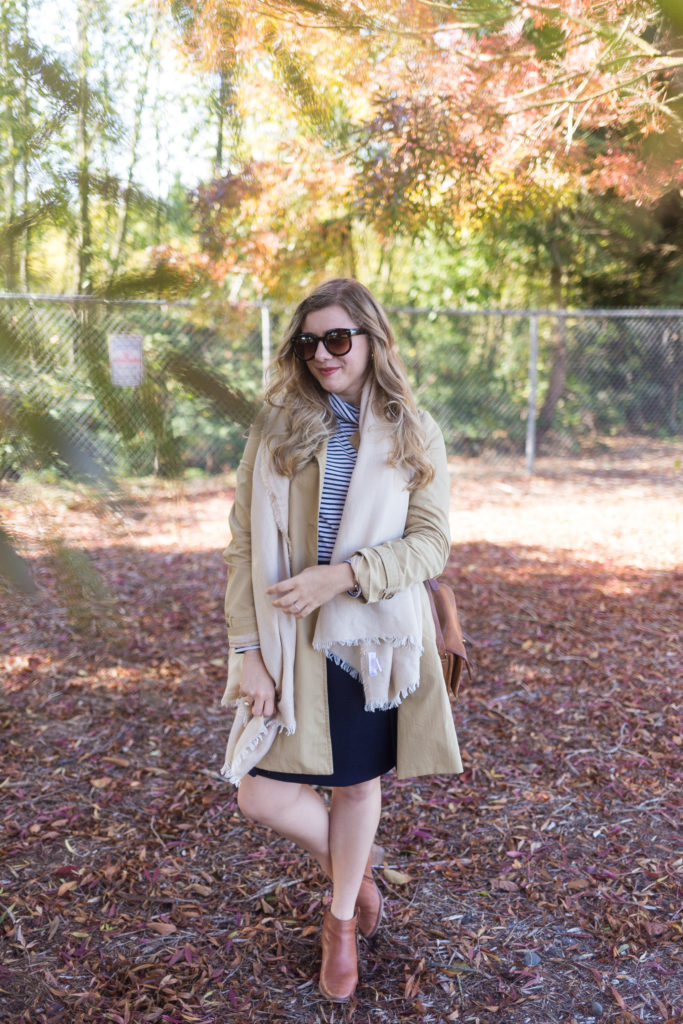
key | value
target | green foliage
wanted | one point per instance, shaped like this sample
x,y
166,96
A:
x,y
470,372
624,375
674,12
487,16
640,257
58,407
313,103
547,38
69,127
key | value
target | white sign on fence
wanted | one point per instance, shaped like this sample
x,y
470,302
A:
x,y
126,360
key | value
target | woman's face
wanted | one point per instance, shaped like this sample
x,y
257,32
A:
x,y
340,375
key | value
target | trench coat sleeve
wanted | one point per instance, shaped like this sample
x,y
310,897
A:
x,y
240,615
422,551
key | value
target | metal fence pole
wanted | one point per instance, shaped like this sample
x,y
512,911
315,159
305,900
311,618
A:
x,y
533,383
265,342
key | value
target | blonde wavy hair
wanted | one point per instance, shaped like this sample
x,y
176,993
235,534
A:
x,y
309,419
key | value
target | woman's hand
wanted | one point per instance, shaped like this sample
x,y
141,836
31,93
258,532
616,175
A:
x,y
256,686
302,594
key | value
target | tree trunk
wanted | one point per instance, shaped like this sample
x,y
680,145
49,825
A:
x,y
222,96
353,262
228,119
10,175
25,162
122,224
10,209
84,285
558,372
157,213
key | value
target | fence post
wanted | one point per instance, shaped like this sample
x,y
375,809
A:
x,y
265,342
533,382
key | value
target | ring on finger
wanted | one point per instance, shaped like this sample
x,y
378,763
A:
x,y
297,608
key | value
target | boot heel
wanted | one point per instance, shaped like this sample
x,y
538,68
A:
x,y
369,903
370,906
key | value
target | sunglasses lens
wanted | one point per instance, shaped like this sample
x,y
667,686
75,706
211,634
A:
x,y
338,342
304,347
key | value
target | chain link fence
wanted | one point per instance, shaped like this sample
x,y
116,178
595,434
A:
x,y
513,383
502,384
56,359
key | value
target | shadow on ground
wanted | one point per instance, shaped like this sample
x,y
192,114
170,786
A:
x,y
543,880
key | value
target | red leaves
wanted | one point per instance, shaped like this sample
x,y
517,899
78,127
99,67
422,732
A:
x,y
541,882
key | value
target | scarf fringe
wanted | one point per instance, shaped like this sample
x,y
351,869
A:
x,y
377,641
405,692
229,774
354,673
232,772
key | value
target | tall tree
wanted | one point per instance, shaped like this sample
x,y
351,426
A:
x,y
8,27
24,152
476,115
148,28
84,284
434,108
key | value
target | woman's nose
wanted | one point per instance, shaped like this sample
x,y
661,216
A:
x,y
321,352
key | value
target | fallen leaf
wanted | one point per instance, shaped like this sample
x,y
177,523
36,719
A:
x,y
397,877
201,890
66,887
655,928
162,927
504,884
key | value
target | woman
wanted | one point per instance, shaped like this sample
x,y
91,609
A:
x,y
340,514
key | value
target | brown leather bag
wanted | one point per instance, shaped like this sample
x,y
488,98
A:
x,y
449,638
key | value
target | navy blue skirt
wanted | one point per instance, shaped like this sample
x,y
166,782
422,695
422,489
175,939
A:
x,y
363,742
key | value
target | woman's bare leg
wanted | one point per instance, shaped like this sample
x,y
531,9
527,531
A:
x,y
293,810
354,817
340,839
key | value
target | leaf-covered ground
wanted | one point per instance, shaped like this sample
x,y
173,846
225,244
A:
x,y
544,884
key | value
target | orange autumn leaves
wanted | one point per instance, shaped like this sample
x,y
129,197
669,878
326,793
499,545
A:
x,y
413,117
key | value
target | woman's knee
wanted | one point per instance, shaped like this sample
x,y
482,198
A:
x,y
250,799
358,793
259,798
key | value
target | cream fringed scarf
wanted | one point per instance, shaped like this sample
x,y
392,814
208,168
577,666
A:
x,y
379,643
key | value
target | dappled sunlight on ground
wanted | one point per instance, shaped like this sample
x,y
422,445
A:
x,y
624,506
540,887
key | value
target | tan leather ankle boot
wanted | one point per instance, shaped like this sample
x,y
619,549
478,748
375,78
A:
x,y
369,903
339,968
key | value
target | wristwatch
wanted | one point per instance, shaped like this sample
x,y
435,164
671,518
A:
x,y
355,590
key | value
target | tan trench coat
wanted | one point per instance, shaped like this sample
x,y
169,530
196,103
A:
x,y
427,742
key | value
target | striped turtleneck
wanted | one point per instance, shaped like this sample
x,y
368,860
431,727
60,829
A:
x,y
341,458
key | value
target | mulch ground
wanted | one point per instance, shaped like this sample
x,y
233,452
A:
x,y
543,886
